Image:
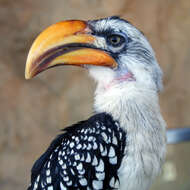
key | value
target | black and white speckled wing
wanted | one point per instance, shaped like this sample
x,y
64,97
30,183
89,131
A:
x,y
87,156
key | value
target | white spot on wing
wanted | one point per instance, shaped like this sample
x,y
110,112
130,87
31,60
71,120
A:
x,y
100,167
62,187
101,148
77,157
104,153
103,127
97,184
83,181
66,178
81,172
35,185
64,166
80,166
38,178
113,160
48,180
84,146
89,146
95,161
95,146
100,175
72,144
88,159
112,182
120,135
72,171
111,152
48,165
114,141
105,137
79,146
50,188
42,184
97,124
90,138
77,139
69,183
61,162
117,184
82,158
63,153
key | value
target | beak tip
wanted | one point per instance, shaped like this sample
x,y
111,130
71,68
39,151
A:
x,y
28,69
27,78
27,75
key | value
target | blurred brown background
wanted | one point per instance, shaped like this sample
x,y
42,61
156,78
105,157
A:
x,y
32,112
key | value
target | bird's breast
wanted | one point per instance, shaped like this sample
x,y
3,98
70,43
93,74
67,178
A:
x,y
142,161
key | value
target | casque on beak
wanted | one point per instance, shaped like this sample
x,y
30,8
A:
x,y
65,43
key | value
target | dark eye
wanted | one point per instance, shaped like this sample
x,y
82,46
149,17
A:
x,y
115,40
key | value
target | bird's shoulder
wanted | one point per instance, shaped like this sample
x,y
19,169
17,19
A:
x,y
84,150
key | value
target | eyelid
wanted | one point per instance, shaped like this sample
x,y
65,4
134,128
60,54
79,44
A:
x,y
120,34
123,39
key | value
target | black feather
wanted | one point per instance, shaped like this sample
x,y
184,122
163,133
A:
x,y
70,156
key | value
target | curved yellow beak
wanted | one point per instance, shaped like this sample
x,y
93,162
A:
x,y
65,43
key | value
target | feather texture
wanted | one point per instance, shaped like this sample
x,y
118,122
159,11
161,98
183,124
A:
x,y
86,156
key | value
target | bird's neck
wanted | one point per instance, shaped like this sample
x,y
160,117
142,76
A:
x,y
138,113
132,106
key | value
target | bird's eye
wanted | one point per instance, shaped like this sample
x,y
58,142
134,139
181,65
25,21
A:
x,y
115,40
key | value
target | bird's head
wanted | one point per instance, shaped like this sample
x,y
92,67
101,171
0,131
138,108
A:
x,y
112,49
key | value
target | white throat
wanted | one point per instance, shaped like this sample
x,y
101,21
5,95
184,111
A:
x,y
138,113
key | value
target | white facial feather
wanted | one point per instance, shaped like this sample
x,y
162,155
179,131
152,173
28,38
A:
x,y
138,58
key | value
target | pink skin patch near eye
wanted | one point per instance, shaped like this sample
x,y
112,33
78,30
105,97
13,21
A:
x,y
127,77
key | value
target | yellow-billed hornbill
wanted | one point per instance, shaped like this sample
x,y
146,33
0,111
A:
x,y
122,146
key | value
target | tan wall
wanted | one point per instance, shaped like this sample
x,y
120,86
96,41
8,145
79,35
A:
x,y
32,112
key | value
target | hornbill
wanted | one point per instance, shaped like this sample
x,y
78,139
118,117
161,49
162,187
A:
x,y
123,145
